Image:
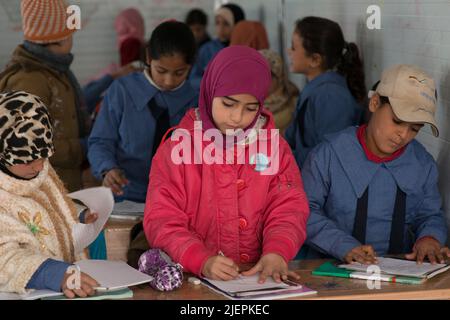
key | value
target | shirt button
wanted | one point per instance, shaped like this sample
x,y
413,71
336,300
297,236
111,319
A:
x,y
245,258
240,184
242,223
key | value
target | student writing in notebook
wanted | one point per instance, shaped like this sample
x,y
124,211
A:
x,y
373,189
249,212
36,216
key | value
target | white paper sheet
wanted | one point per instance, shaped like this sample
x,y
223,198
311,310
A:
x,y
247,284
99,200
400,267
113,275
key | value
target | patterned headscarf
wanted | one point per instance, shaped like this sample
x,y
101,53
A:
x,y
26,132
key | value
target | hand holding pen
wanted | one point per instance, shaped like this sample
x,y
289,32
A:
x,y
220,268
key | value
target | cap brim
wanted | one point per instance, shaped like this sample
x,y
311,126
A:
x,y
413,113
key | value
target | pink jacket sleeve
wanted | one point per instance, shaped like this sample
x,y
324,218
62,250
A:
x,y
287,210
166,224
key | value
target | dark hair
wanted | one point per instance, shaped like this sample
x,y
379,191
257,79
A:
x,y
196,16
237,11
325,37
172,37
383,99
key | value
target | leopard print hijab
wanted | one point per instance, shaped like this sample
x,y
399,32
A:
x,y
25,129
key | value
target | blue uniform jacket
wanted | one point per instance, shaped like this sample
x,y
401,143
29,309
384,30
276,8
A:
x,y
330,107
124,130
206,53
337,172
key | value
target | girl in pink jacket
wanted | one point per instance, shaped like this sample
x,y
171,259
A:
x,y
225,189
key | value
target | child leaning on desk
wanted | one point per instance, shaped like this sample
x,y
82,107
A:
x,y
195,211
373,189
36,216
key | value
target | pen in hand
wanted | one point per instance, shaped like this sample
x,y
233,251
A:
x,y
220,253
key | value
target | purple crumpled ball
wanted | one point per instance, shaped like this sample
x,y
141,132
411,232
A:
x,y
166,275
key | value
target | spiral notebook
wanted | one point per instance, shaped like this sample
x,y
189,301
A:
x,y
248,288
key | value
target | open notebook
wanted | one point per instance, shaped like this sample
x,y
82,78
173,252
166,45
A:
x,y
128,210
399,267
248,288
111,275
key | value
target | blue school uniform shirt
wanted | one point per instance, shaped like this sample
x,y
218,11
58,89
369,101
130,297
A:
x,y
123,133
206,53
330,107
337,172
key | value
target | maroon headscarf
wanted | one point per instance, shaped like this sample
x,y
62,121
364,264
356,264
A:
x,y
234,70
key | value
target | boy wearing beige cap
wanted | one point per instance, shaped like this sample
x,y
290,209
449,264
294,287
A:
x,y
41,65
373,189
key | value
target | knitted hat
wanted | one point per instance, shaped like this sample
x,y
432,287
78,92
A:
x,y
45,21
25,129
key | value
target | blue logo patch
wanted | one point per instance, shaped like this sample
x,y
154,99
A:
x,y
261,161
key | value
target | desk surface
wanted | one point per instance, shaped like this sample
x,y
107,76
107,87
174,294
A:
x,y
327,288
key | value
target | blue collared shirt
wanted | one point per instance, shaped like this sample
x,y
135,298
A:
x,y
330,107
124,130
337,172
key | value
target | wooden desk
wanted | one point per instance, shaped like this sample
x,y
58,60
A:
x,y
117,237
329,288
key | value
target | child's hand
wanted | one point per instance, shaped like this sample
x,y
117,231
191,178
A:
x,y
220,268
116,180
87,285
271,265
445,251
90,217
428,247
363,254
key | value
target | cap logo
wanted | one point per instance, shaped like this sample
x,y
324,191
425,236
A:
x,y
428,97
425,110
421,81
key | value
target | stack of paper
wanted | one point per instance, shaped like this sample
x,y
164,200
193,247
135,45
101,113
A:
x,y
248,288
387,269
399,267
109,295
113,276
128,210
329,269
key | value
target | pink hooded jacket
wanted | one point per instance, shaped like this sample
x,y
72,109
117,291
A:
x,y
194,211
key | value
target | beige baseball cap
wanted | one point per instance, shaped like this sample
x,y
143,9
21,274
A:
x,y
411,93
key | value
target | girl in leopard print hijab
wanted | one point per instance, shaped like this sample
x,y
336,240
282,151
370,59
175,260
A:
x,y
37,218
